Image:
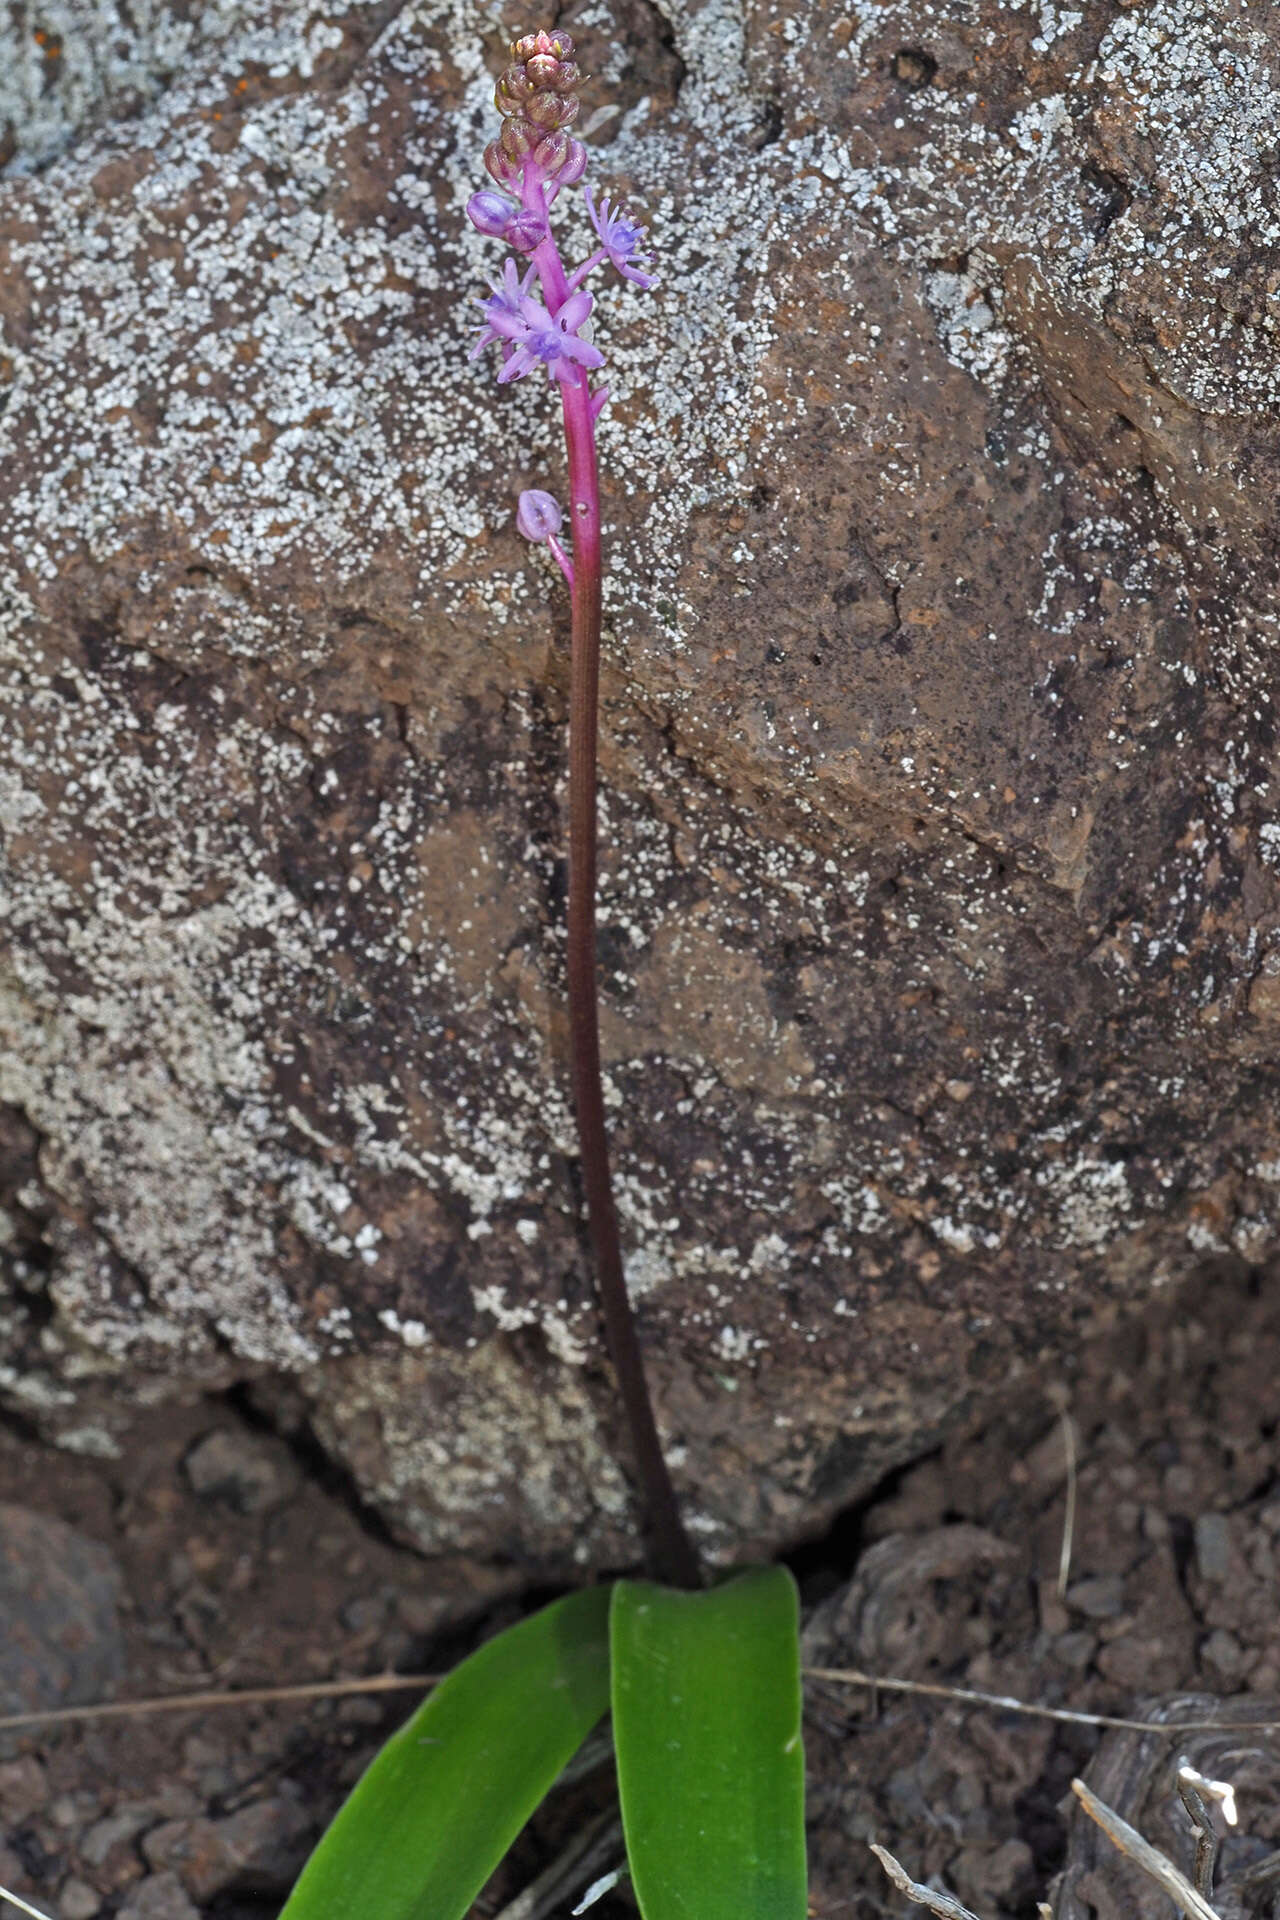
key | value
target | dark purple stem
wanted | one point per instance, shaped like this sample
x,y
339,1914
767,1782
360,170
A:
x,y
672,1554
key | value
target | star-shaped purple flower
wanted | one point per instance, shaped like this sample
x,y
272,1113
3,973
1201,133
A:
x,y
536,335
503,307
620,236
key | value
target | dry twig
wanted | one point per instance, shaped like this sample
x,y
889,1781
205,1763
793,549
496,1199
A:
x,y
1131,1843
1006,1703
1192,1789
411,1682
235,1697
945,1905
16,1900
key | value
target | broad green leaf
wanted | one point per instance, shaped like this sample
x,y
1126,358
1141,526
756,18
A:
x,y
433,1814
706,1726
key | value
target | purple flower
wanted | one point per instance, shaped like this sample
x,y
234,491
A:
x,y
620,237
538,514
537,335
504,308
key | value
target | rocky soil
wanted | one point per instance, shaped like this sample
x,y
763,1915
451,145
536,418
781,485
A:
x,y
238,1563
942,886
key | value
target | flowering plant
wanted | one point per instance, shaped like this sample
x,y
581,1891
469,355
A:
x,y
704,1687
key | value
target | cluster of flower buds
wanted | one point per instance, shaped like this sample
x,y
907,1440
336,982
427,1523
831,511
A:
x,y
537,97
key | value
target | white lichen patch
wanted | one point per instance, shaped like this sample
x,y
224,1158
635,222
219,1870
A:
x,y
447,1441
75,63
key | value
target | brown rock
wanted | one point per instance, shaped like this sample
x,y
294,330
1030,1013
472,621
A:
x,y
938,742
262,1846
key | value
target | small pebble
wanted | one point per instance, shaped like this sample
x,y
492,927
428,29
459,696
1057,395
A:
x,y
1213,1546
117,1829
1101,1597
23,1789
240,1470
1223,1651
366,1613
1075,1650
78,1901
159,1897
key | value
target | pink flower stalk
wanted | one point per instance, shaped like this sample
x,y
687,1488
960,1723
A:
x,y
531,161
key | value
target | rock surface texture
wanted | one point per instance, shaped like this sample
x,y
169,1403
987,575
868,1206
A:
x,y
941,899
58,1598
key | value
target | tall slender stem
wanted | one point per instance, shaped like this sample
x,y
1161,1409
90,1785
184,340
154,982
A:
x,y
671,1551
673,1555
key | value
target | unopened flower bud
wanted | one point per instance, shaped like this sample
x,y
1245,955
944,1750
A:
x,y
551,109
543,69
538,515
503,169
575,166
518,139
491,213
524,230
513,91
558,44
551,152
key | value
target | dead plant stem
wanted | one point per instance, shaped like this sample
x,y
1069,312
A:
x,y
418,1682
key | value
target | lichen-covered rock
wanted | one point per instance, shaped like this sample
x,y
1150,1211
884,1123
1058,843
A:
x,y
941,888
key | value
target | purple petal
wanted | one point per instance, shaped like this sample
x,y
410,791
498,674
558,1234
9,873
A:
x,y
507,288
574,311
586,355
507,326
520,363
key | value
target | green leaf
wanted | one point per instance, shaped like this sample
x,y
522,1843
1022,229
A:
x,y
433,1814
706,1725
